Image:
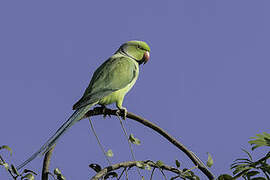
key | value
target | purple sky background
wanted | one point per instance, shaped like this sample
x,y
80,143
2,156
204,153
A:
x,y
206,83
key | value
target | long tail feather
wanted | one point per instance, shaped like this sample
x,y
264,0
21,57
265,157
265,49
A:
x,y
76,116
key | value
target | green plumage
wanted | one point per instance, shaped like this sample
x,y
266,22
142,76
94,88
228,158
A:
x,y
109,84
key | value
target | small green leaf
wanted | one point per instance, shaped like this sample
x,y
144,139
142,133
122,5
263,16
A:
x,y
242,160
134,140
57,171
109,153
255,147
7,148
252,173
28,176
159,163
249,155
61,177
267,141
58,174
111,174
258,178
240,168
210,161
148,167
266,167
6,166
95,167
142,177
29,171
188,173
177,163
260,140
14,170
266,135
225,177
140,164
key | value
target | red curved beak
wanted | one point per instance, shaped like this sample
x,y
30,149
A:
x,y
146,57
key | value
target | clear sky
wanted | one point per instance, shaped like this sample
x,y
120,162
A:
x,y
206,83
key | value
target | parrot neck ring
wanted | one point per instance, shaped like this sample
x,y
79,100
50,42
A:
x,y
143,60
123,52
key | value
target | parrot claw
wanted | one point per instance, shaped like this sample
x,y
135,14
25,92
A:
x,y
120,111
104,112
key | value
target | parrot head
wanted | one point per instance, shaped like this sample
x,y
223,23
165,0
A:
x,y
137,50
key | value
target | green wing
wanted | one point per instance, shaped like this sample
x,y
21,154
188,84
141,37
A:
x,y
114,74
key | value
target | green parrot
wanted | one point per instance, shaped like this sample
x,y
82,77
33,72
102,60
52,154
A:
x,y
109,84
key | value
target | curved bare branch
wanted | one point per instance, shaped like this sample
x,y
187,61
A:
x,y
130,164
46,164
190,154
100,110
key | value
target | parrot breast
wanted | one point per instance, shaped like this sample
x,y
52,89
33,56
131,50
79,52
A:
x,y
119,95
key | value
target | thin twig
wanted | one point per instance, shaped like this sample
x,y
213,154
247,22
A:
x,y
99,143
129,143
46,164
98,111
162,172
10,172
152,173
126,174
192,157
266,175
121,174
130,164
52,175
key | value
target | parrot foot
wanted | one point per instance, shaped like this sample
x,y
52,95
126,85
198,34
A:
x,y
122,111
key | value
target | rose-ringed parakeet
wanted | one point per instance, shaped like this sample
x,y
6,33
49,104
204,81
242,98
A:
x,y
109,84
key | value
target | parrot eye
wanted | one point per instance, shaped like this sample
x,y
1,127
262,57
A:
x,y
139,47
